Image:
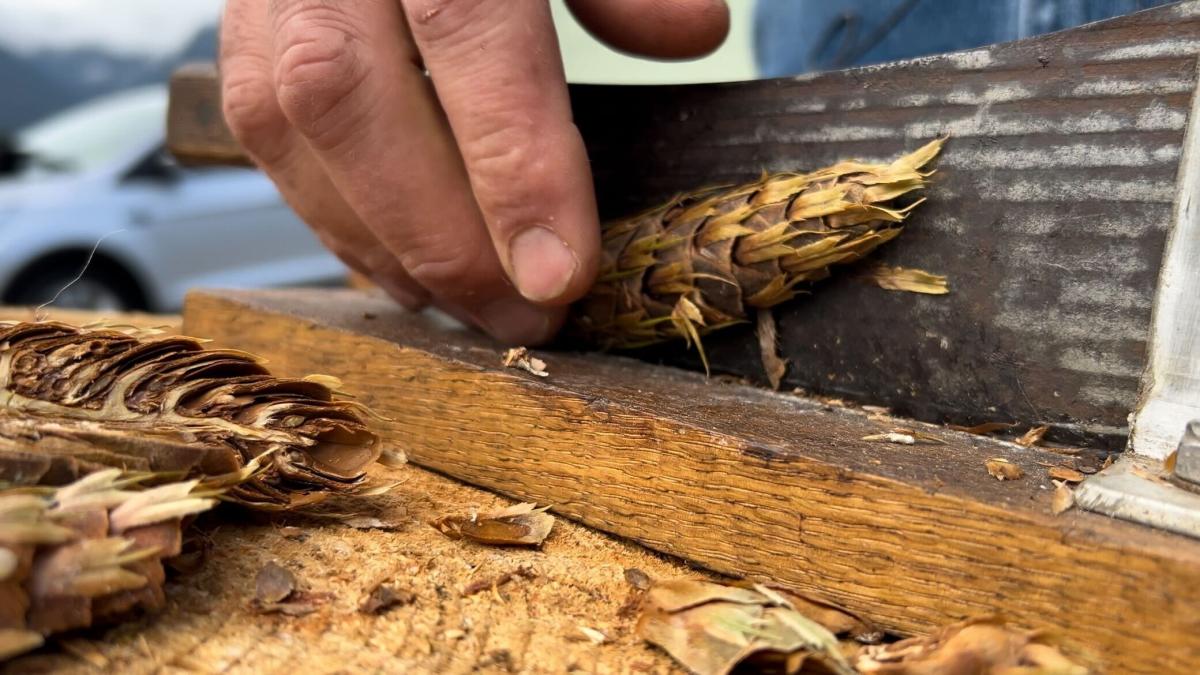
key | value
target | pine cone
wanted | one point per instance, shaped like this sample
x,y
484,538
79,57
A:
x,y
86,553
74,400
704,261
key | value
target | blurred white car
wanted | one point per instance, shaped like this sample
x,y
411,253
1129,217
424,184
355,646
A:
x,y
98,173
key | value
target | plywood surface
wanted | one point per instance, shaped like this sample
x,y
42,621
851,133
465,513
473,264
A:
x,y
744,481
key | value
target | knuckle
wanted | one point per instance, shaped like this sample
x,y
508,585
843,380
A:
x,y
249,106
512,176
317,75
446,268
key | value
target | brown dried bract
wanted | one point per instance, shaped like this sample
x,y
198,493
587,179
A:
x,y
1065,474
773,365
520,358
1002,469
480,585
1033,436
277,590
711,629
979,647
75,400
518,525
1063,499
383,598
906,279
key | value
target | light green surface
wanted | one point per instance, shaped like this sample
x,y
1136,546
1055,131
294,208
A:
x,y
588,60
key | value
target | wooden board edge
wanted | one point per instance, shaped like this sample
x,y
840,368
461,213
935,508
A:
x,y
910,559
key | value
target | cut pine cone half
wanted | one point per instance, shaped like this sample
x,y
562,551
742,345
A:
x,y
709,259
75,400
87,553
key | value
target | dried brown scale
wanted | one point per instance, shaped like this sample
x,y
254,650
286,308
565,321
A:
x,y
709,259
72,400
86,553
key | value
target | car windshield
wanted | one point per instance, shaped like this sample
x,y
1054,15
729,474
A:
x,y
96,133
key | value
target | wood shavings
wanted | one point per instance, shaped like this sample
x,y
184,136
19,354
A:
x,y
768,347
520,358
1033,436
518,525
1063,499
1002,469
85,651
906,279
479,585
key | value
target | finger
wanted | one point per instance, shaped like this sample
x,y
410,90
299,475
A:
x,y
256,120
498,74
347,80
668,29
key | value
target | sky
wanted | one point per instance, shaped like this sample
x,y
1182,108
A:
x,y
138,27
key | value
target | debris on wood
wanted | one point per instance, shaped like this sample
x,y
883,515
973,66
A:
x,y
983,647
181,408
1033,436
906,279
1002,469
711,628
520,358
983,429
384,597
276,590
1066,474
393,458
1063,499
1169,462
768,347
293,533
892,437
87,553
524,572
517,525
370,523
592,635
638,579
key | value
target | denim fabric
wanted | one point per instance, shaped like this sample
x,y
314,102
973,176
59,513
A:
x,y
797,36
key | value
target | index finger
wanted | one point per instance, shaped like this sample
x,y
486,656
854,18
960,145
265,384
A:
x,y
495,65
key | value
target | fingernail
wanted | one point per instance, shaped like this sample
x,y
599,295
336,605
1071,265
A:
x,y
515,321
542,263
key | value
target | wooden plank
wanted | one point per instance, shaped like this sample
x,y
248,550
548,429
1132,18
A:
x,y
744,481
1055,198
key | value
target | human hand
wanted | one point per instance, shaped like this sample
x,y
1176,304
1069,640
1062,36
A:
x,y
440,189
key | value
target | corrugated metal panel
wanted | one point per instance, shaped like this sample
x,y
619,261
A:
x,y
1049,213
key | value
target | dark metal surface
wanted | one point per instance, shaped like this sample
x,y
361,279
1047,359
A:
x,y
1049,213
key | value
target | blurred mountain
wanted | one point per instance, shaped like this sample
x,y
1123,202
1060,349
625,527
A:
x,y
46,81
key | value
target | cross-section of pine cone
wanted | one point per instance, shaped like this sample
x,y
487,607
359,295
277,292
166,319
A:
x,y
73,400
85,554
709,259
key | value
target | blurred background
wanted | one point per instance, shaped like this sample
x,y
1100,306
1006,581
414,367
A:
x,y
84,179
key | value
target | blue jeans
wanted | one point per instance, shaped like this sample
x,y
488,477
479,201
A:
x,y
798,36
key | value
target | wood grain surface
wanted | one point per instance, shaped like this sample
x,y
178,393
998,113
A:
x,y
744,481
